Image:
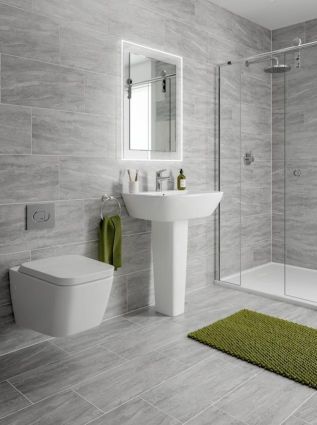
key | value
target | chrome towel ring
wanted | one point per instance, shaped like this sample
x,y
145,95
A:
x,y
106,198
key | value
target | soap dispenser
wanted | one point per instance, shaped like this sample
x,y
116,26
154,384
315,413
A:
x,y
181,180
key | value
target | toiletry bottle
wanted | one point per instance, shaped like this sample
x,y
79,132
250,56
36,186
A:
x,y
181,180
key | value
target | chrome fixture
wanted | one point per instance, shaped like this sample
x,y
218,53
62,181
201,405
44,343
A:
x,y
106,198
162,77
298,42
248,158
277,68
297,172
160,179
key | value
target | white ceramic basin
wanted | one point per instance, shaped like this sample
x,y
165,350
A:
x,y
171,205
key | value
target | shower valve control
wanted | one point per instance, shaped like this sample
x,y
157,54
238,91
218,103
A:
x,y
248,158
297,172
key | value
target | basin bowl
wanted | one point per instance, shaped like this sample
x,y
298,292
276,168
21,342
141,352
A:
x,y
171,205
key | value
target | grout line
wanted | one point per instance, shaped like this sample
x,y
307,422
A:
x,y
16,389
160,410
298,407
82,397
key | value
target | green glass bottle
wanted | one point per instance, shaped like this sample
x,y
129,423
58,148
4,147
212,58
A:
x,y
181,180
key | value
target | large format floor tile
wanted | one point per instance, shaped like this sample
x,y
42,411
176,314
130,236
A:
x,y
115,387
136,412
308,411
187,394
49,379
10,399
267,399
213,416
62,409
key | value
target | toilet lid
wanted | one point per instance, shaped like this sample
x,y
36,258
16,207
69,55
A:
x,y
67,269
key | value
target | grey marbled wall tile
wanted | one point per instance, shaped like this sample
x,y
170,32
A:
x,y
310,30
66,408
94,13
145,340
12,228
102,95
200,238
22,4
118,301
115,387
88,249
255,229
28,178
284,37
266,399
278,136
6,314
140,289
278,221
278,250
307,412
91,50
301,241
136,255
255,120
259,144
216,417
213,19
83,340
256,255
10,400
15,130
258,174
278,186
32,83
189,393
87,178
7,261
193,46
28,35
69,133
135,412
14,338
200,270
198,142
29,358
256,200
183,10
52,378
253,89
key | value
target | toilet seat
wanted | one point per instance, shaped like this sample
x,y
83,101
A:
x,y
67,270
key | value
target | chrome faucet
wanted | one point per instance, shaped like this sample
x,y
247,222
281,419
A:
x,y
160,179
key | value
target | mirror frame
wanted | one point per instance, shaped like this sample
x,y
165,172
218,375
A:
x,y
137,155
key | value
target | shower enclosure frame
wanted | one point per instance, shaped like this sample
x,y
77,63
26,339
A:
x,y
248,61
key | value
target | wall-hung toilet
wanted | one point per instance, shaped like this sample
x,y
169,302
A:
x,y
60,296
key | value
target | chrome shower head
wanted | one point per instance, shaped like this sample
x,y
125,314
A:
x,y
277,68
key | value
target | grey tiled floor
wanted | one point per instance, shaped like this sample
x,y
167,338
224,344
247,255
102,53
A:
x,y
141,369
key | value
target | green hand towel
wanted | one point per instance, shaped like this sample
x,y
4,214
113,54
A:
x,y
110,241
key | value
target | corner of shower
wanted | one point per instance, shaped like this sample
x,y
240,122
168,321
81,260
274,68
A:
x,y
266,237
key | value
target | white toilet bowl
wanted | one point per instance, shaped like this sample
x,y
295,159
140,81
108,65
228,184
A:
x,y
60,296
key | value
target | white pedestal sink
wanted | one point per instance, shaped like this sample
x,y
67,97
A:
x,y
169,212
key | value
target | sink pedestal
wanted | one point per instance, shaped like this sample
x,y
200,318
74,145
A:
x,y
169,246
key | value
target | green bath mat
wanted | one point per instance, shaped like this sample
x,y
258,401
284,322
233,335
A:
x,y
280,346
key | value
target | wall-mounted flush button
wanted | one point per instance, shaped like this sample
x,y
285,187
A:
x,y
40,216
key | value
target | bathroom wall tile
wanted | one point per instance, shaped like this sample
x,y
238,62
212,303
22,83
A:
x,y
200,238
118,301
256,175
135,412
293,420
182,10
258,144
255,200
33,83
66,407
6,314
10,399
22,4
7,261
33,179
200,271
102,94
278,136
310,30
96,336
136,255
93,14
87,178
255,229
68,133
273,399
29,358
91,50
140,289
88,249
284,37
15,130
189,393
256,254
115,387
278,250
278,186
28,35
52,378
278,223
300,237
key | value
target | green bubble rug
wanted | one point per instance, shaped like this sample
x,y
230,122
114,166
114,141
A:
x,y
283,347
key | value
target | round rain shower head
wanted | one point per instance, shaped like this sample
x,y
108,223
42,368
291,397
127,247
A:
x,y
277,68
